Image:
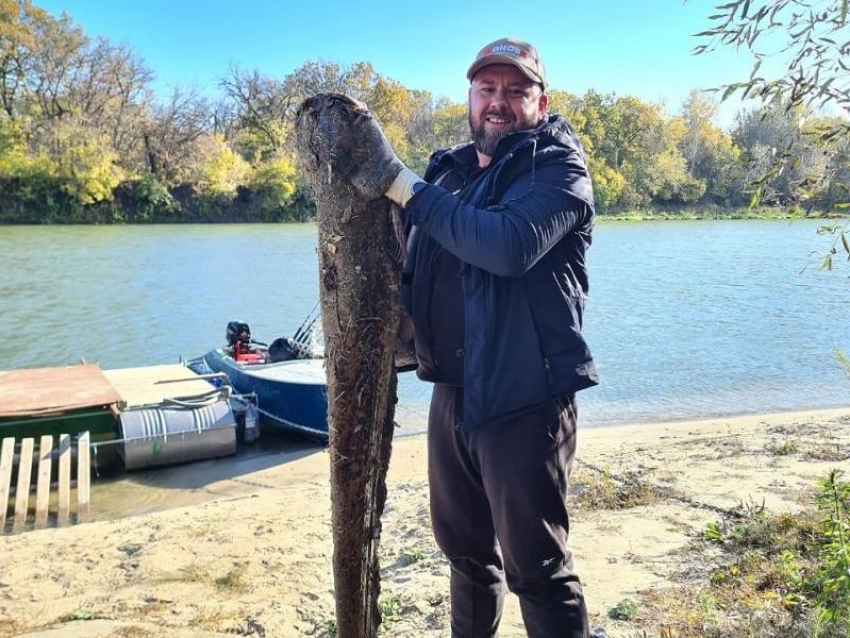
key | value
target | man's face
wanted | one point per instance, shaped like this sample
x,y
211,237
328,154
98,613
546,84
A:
x,y
502,100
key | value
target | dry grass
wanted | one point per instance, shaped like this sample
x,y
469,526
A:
x,y
234,580
213,619
825,452
607,490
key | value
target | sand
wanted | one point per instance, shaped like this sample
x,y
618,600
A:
x,y
253,559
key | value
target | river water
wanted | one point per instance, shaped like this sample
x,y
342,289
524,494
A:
x,y
686,319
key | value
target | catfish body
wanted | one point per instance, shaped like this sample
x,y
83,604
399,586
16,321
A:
x,y
359,280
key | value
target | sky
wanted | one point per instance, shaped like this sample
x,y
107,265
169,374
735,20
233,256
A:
x,y
629,47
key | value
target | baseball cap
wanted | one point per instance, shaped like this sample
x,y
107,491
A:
x,y
510,51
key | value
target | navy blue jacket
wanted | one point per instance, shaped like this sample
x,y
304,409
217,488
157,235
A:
x,y
521,231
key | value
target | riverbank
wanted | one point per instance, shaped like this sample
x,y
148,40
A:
x,y
191,208
709,213
258,563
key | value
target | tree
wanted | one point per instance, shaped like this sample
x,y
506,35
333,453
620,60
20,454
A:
x,y
713,159
17,40
261,106
810,69
170,132
216,169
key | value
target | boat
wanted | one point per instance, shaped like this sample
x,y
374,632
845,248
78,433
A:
x,y
287,377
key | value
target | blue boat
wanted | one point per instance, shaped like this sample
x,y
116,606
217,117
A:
x,y
287,378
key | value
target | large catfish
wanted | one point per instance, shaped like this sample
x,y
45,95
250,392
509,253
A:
x,y
359,275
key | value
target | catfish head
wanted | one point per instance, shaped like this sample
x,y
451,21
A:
x,y
346,141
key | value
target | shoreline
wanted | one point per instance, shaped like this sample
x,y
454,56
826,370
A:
x,y
255,552
654,215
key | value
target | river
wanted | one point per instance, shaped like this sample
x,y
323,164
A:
x,y
685,319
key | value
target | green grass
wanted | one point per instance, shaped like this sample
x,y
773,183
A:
x,y
327,629
626,609
785,448
764,575
83,613
413,556
390,608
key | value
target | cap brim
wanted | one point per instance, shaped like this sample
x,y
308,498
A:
x,y
499,58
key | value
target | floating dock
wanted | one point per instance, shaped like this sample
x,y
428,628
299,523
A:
x,y
142,417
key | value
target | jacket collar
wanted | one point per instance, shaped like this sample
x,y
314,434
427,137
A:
x,y
554,130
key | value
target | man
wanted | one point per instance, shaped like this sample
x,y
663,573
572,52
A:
x,y
495,282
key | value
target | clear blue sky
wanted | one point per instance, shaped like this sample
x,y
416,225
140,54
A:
x,y
631,47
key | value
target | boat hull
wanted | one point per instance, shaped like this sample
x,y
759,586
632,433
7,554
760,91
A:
x,y
291,395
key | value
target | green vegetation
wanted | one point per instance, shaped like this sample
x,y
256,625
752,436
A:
x,y
327,629
82,613
786,448
626,609
411,557
390,608
83,139
767,575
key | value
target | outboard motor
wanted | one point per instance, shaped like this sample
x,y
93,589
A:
x,y
238,332
239,340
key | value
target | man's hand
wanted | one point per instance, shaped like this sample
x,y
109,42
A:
x,y
401,189
379,172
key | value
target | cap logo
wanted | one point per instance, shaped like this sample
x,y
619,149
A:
x,y
509,49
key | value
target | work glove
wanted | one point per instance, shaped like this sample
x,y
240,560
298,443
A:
x,y
379,171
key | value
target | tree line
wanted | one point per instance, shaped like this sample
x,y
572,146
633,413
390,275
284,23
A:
x,y
84,138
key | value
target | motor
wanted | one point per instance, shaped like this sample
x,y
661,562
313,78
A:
x,y
239,340
238,332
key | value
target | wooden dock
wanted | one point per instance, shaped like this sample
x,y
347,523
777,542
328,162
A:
x,y
49,477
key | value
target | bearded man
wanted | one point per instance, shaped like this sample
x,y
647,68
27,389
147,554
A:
x,y
495,282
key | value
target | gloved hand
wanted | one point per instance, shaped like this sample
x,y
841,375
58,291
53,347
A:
x,y
379,172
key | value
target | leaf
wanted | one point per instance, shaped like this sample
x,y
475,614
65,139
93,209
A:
x,y
845,244
729,91
826,264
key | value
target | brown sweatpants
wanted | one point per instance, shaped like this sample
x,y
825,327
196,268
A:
x,y
498,510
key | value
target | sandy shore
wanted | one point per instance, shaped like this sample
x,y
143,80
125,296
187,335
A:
x,y
255,561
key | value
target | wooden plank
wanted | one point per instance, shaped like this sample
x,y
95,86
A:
x,y
154,384
22,492
83,478
7,454
64,479
42,494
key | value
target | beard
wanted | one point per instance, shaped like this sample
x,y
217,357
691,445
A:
x,y
486,141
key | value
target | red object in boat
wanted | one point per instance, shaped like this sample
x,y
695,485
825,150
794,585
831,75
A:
x,y
246,356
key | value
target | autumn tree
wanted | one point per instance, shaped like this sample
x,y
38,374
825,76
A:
x,y
712,156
